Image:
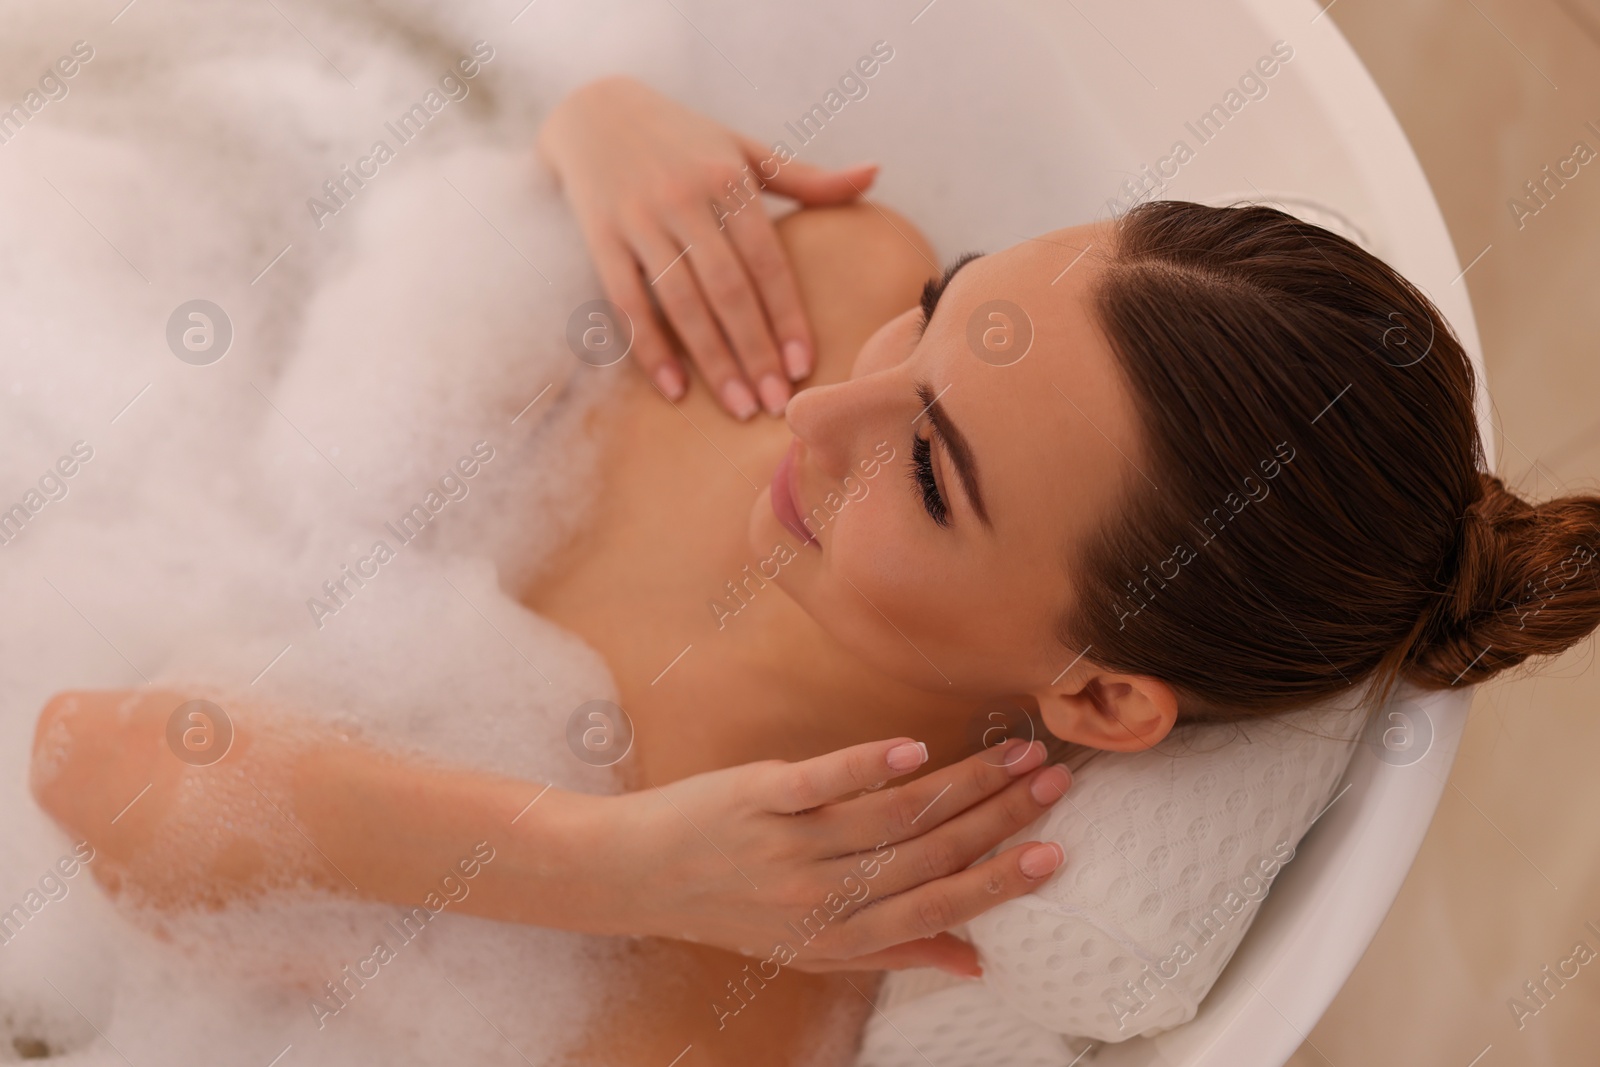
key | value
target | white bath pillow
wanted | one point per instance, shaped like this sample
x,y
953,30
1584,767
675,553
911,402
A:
x,y
1169,853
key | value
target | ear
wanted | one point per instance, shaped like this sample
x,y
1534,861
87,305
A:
x,y
1104,709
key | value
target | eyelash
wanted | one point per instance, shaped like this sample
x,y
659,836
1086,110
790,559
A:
x,y
921,474
921,470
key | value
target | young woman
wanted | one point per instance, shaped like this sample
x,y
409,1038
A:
x,y
1191,465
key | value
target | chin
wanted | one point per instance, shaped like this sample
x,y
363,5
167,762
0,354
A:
x,y
764,528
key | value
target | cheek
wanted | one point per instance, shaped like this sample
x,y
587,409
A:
x,y
874,546
870,591
979,627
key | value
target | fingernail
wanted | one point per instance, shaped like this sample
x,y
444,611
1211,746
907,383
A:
x,y
774,394
1051,785
736,396
796,359
908,757
669,379
1040,860
1019,757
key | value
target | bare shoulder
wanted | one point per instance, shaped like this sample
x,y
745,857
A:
x,y
858,266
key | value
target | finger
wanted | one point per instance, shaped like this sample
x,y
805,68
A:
x,y
945,951
795,787
921,806
756,239
937,906
961,841
805,182
684,305
734,301
619,277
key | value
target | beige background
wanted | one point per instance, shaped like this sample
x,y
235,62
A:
x,y
1491,91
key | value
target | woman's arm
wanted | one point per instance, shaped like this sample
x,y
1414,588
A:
x,y
727,858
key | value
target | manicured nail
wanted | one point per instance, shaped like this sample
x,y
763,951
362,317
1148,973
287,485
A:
x,y
1019,757
1051,785
1040,860
796,359
774,394
669,379
736,396
908,757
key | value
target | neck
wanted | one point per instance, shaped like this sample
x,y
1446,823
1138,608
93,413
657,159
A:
x,y
830,696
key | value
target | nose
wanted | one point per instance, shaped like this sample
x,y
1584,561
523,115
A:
x,y
841,424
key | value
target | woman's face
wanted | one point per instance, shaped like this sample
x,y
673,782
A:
x,y
936,500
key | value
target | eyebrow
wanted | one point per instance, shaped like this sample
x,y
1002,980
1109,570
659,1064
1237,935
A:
x,y
960,452
934,288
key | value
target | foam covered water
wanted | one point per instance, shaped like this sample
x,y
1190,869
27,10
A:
x,y
379,358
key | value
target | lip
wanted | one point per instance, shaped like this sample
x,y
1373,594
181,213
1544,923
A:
x,y
786,496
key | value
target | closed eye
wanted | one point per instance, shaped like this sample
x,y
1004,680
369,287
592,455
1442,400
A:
x,y
926,485
958,451
934,288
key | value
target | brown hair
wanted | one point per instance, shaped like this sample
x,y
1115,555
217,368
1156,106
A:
x,y
1312,512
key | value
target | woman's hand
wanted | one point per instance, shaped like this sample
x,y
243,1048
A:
x,y
652,182
767,855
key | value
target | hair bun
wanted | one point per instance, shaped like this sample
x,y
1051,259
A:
x,y
1524,583
1481,547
